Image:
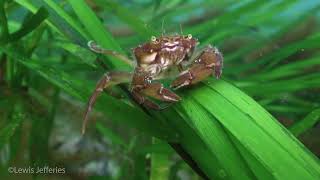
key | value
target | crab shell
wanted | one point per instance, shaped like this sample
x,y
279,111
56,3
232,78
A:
x,y
161,53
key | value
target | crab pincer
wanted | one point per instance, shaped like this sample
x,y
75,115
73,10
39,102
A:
x,y
157,91
208,62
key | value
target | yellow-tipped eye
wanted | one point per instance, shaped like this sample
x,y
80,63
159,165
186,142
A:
x,y
153,39
189,36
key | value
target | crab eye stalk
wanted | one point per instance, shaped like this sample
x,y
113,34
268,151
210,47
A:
x,y
189,36
153,39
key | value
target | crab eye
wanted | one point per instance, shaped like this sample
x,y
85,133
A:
x,y
189,36
153,39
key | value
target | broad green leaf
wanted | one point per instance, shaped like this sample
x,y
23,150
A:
x,y
279,147
267,150
216,139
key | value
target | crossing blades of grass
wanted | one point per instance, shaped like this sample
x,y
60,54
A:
x,y
16,117
32,23
58,20
129,18
4,31
256,18
308,122
284,86
115,139
160,162
309,43
273,37
84,55
108,104
224,20
33,8
71,21
99,33
276,57
287,70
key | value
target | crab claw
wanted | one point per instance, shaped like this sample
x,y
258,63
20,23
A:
x,y
167,95
157,91
208,62
196,73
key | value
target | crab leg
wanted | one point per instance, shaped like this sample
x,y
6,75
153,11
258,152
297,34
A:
x,y
98,49
208,61
108,80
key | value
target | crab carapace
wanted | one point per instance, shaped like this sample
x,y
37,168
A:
x,y
154,59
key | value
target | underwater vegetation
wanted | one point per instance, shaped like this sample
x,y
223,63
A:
x,y
258,120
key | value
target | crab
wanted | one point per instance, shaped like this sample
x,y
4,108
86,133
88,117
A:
x,y
155,60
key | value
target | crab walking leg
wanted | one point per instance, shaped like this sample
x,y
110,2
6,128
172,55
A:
x,y
98,49
108,80
203,66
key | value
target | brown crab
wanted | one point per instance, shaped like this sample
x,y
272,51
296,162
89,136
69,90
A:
x,y
155,60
